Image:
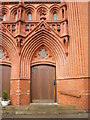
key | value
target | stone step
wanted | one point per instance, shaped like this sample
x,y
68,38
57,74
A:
x,y
36,107
43,112
40,109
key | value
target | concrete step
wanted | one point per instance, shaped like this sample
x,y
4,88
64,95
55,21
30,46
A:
x,y
40,109
36,107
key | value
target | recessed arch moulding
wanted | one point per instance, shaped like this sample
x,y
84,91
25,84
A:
x,y
39,38
4,57
33,45
11,58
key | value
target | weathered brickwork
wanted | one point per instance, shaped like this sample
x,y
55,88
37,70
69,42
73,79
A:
x,y
60,27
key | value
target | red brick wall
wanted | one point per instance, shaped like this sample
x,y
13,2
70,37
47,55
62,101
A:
x,y
71,68
73,92
75,74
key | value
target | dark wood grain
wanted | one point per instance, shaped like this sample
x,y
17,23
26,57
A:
x,y
43,88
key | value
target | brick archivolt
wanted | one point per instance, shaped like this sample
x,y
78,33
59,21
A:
x,y
5,10
36,41
7,32
43,56
7,43
4,58
42,5
55,8
31,9
13,10
39,9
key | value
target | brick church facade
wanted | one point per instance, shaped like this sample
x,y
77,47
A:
x,y
44,52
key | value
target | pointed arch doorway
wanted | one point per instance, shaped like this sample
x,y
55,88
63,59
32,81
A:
x,y
5,71
43,77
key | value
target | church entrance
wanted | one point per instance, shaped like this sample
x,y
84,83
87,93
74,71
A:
x,y
5,72
43,84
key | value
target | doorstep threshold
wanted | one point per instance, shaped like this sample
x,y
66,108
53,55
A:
x,y
43,104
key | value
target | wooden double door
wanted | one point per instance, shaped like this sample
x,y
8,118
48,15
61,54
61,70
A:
x,y
5,72
43,84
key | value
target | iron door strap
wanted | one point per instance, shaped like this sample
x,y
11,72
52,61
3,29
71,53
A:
x,y
54,82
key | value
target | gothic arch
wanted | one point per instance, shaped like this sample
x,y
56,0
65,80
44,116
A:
x,y
38,10
7,43
55,8
5,9
30,6
30,9
43,55
4,57
32,44
42,5
13,10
